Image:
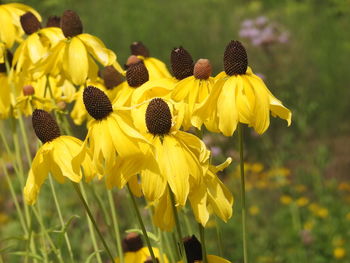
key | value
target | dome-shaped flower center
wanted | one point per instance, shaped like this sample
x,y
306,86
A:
x,y
97,103
235,59
202,69
30,23
112,77
137,74
139,49
28,90
193,249
158,117
181,63
132,242
53,21
71,24
45,126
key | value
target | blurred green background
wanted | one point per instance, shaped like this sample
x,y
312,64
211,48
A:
x,y
304,62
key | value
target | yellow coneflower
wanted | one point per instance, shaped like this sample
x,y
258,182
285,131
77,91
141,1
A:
x,y
111,134
11,30
156,68
76,54
136,252
174,155
193,90
54,157
238,96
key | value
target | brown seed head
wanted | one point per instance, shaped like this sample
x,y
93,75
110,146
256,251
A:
x,y
193,249
71,24
181,63
139,49
235,59
28,90
53,21
202,69
45,126
111,77
137,74
97,103
149,260
30,23
132,242
158,117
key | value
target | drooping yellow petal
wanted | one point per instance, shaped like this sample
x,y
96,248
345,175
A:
x,y
35,48
163,216
227,108
75,62
97,49
156,68
198,200
279,110
216,259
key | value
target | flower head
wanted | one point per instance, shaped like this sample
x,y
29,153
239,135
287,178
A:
x,y
54,156
238,96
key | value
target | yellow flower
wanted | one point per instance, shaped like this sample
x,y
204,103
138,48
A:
x,y
302,201
2,52
286,199
75,55
54,157
135,252
238,96
339,253
211,196
11,30
36,45
156,68
194,90
174,156
254,210
110,134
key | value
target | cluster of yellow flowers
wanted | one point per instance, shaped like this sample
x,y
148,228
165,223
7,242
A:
x,y
137,118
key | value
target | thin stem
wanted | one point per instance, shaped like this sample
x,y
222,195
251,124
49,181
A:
x,y
88,211
116,226
143,228
58,208
25,139
202,238
178,227
219,236
244,227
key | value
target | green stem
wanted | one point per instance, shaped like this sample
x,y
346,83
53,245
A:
x,y
219,236
25,139
178,227
143,228
88,211
204,248
116,226
244,227
58,208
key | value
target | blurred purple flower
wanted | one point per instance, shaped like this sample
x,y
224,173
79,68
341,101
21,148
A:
x,y
216,151
261,20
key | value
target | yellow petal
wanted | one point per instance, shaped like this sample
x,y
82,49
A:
x,y
216,259
75,62
198,199
227,108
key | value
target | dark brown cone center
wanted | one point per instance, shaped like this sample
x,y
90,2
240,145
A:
x,y
202,69
193,249
112,77
132,242
137,74
53,21
71,24
45,126
235,59
149,260
30,23
97,103
158,117
181,63
139,49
